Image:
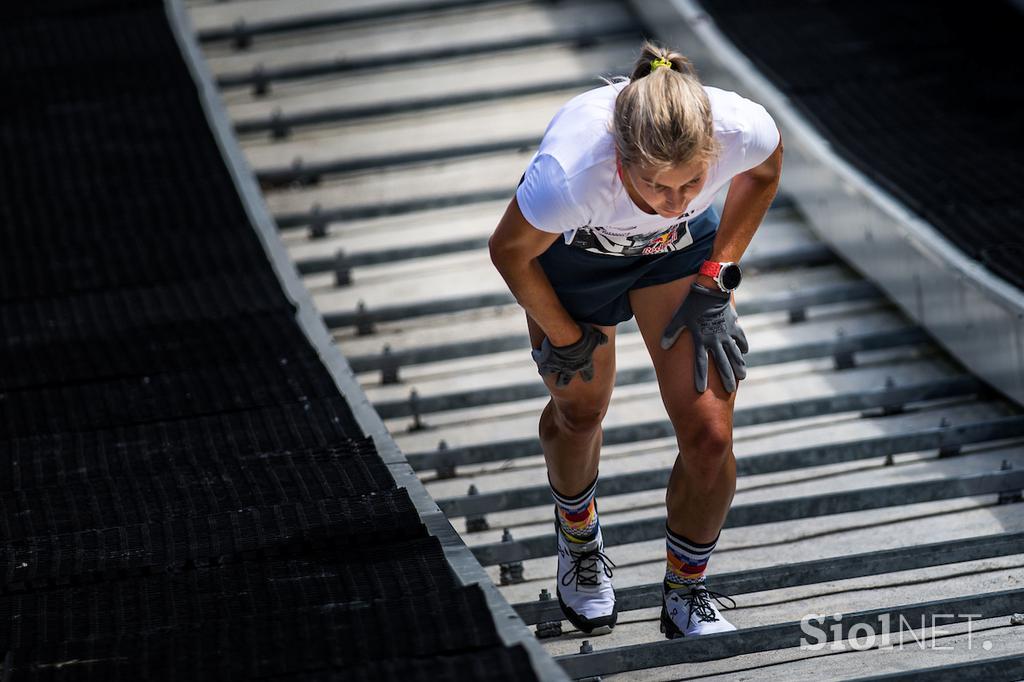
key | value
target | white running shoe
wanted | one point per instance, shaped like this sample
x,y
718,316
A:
x,y
584,586
689,612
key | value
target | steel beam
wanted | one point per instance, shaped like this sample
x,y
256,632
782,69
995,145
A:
x,y
376,210
780,302
624,377
805,255
761,414
808,506
310,266
810,255
898,619
782,576
781,460
998,669
313,172
420,104
441,352
328,19
342,65
340,214
435,307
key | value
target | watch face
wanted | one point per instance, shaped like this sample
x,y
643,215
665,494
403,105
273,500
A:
x,y
731,276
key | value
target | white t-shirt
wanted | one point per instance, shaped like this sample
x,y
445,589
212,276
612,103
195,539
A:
x,y
572,181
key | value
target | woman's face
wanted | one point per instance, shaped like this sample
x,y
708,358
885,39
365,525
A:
x,y
668,191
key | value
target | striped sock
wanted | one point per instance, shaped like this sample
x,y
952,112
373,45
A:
x,y
577,515
686,559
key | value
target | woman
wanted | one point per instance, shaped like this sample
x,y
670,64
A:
x,y
625,175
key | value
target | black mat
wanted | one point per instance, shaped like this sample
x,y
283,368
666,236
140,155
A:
x,y
922,97
183,492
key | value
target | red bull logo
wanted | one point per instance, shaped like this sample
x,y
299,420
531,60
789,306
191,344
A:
x,y
661,242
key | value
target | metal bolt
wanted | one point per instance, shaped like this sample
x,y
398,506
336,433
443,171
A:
x,y
1017,619
301,175
278,128
297,167
317,222
364,327
445,468
894,408
242,39
585,648
549,629
947,450
260,82
843,359
342,269
414,408
511,573
477,522
1009,496
388,366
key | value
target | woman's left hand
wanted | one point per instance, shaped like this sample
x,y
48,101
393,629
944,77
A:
x,y
715,329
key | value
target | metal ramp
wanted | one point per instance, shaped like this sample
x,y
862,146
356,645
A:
x,y
877,478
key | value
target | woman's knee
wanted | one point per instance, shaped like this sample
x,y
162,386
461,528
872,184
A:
x,y
705,447
577,418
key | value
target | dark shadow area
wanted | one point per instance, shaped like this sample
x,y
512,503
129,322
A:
x,y
922,97
185,494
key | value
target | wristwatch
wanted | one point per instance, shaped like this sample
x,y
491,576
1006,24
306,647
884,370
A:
x,y
726,275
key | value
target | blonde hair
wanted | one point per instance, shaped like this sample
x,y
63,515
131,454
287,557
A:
x,y
662,118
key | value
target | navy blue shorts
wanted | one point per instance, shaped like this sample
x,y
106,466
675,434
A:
x,y
595,288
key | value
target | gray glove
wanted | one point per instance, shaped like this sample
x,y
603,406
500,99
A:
x,y
715,329
565,361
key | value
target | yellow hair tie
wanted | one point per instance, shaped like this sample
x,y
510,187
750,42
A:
x,y
660,62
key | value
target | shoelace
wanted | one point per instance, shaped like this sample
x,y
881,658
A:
x,y
700,603
587,574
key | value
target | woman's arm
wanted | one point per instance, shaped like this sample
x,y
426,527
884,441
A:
x,y
750,195
515,246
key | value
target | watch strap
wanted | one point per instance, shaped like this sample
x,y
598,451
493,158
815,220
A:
x,y
710,268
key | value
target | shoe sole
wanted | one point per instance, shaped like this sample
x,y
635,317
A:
x,y
585,625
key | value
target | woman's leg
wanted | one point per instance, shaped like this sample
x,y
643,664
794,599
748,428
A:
x,y
703,480
570,434
570,425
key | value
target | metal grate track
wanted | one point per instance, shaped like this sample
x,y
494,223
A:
x,y
877,478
